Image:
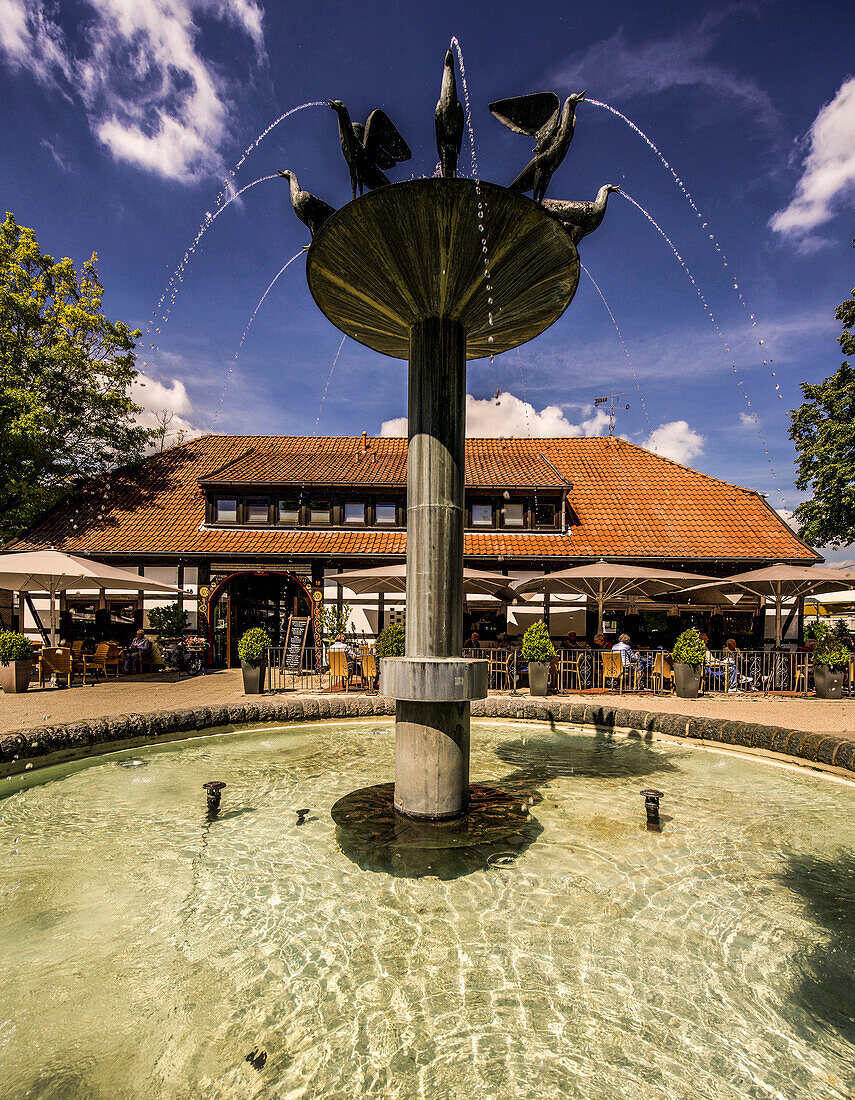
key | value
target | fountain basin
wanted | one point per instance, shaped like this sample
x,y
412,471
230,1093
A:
x,y
147,952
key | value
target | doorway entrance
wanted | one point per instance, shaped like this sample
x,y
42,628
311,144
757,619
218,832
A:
x,y
244,600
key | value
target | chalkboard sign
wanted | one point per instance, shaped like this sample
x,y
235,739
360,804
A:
x,y
295,643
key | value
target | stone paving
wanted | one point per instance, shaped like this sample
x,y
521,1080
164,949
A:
x,y
157,692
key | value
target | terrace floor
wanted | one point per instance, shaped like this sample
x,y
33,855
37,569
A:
x,y
163,691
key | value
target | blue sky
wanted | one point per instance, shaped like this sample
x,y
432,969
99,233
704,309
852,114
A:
x,y
123,119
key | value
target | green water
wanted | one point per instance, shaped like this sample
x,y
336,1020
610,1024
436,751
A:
x,y
146,952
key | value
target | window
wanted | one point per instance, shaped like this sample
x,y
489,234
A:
x,y
225,510
482,515
545,515
289,512
514,515
319,513
354,511
386,512
257,511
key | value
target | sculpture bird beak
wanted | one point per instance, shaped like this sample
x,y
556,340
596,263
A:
x,y
449,58
581,95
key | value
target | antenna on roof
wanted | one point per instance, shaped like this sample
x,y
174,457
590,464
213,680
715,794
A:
x,y
611,400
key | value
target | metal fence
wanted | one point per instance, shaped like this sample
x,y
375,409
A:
x,y
755,670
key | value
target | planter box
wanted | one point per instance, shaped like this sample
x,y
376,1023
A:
x,y
253,678
828,682
538,677
15,676
687,680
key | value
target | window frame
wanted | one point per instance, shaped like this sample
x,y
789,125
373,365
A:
x,y
482,504
345,522
313,507
248,503
393,504
218,500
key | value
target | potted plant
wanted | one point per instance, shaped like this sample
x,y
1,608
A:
x,y
16,661
830,661
390,642
538,650
688,655
252,650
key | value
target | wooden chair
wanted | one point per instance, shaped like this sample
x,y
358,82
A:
x,y
663,669
498,672
107,655
340,668
614,669
569,670
54,661
369,667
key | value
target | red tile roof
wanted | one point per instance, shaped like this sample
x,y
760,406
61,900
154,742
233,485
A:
x,y
627,502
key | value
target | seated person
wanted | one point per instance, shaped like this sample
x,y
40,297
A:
x,y
474,641
628,656
133,655
601,642
572,642
736,681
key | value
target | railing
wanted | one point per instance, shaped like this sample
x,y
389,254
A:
x,y
574,670
309,677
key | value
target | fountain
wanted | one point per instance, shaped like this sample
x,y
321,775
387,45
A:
x,y
402,270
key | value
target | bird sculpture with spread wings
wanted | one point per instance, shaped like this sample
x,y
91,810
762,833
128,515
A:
x,y
551,125
580,218
311,210
449,121
370,148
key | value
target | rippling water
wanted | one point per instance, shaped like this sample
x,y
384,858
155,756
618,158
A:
x,y
145,952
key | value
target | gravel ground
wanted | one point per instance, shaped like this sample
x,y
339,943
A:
x,y
142,694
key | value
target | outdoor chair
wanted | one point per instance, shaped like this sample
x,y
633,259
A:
x,y
77,657
107,655
369,667
498,671
54,661
569,671
716,677
340,668
663,669
615,669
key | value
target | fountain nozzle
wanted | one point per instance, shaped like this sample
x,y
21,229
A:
x,y
651,805
213,788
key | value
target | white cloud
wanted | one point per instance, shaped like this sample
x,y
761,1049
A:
x,y
161,401
787,516
150,97
748,420
828,170
508,416
618,67
675,440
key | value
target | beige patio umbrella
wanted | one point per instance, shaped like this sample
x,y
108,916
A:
x,y
52,571
785,582
603,581
393,578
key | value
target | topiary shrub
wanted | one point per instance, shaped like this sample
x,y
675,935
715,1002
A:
x,y
14,647
831,652
689,649
391,641
537,645
252,648
169,621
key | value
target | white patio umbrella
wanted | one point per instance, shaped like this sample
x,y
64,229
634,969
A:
x,y
786,582
52,571
393,578
603,581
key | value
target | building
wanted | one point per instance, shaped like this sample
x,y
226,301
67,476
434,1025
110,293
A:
x,y
252,527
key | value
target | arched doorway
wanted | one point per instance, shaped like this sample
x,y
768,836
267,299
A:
x,y
244,600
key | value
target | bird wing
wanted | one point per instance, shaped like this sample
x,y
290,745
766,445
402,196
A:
x,y
547,131
525,180
526,114
565,208
382,141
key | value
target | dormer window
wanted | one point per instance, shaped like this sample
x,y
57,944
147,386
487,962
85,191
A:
x,y
354,512
385,513
319,513
545,515
514,515
225,510
482,515
257,511
289,512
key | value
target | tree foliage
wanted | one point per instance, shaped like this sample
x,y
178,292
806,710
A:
x,y
823,430
65,374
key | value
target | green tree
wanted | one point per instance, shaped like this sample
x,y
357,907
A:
x,y
823,430
65,373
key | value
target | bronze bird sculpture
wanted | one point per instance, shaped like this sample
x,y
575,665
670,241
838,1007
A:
x,y
580,218
369,148
311,210
449,121
551,125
